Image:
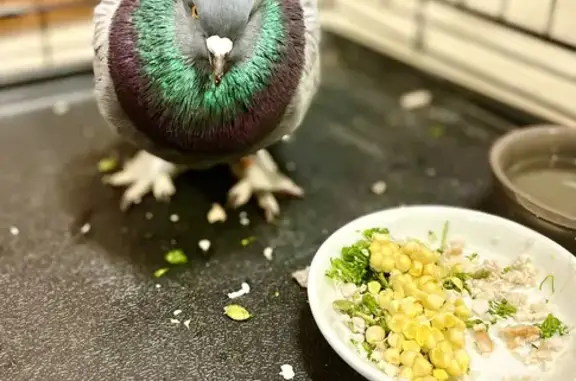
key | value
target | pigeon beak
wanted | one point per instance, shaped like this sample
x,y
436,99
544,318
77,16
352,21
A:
x,y
219,49
218,65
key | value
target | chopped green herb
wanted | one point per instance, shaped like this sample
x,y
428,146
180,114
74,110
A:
x,y
471,323
107,164
369,233
374,287
237,312
432,236
552,326
176,257
353,264
506,269
158,273
276,293
502,309
473,256
247,241
343,305
444,236
480,274
367,348
551,278
437,131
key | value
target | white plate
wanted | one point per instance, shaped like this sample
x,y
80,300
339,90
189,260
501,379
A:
x,y
484,233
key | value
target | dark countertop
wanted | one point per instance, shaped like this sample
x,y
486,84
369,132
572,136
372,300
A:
x,y
78,307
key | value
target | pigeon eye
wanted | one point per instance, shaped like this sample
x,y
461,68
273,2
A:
x,y
194,12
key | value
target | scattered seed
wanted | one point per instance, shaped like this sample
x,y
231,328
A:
x,y
85,228
60,107
237,312
149,215
216,214
415,99
107,164
243,291
379,187
158,285
430,172
247,241
244,221
174,321
14,230
158,273
268,253
204,245
301,276
174,218
287,371
187,323
176,257
177,312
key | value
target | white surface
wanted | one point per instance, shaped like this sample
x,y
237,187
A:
x,y
488,235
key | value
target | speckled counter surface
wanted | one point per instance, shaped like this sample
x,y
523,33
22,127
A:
x,y
80,307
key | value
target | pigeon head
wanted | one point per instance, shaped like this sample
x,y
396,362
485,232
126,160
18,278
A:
x,y
216,32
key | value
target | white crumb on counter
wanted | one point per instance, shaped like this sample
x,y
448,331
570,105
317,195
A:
x,y
287,371
158,285
204,244
268,253
187,323
14,230
245,289
301,276
177,312
174,321
216,214
174,218
149,215
244,220
85,229
60,107
415,99
379,187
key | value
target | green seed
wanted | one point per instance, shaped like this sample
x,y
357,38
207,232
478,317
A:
x,y
107,165
158,273
236,312
176,257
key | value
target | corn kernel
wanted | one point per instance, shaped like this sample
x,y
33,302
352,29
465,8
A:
x,y
406,374
460,324
407,358
412,309
449,320
397,323
459,302
422,367
439,321
410,289
411,247
456,337
416,268
430,269
446,347
429,313
439,358
394,307
457,268
463,359
440,374
389,249
462,312
430,342
387,264
411,345
392,356
422,335
426,378
395,340
403,262
424,279
453,369
433,302
399,294
385,297
420,295
375,246
428,257
437,334
375,334
431,287
410,330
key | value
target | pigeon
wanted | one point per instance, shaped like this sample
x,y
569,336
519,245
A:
x,y
194,84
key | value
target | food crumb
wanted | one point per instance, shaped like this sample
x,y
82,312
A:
x,y
85,228
174,321
158,285
244,220
237,312
149,215
60,107
187,323
174,218
204,245
247,241
415,99
177,312
287,371
107,164
286,138
14,230
430,172
245,289
268,253
379,187
216,214
301,276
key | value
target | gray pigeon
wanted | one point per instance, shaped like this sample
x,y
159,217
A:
x,y
198,83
